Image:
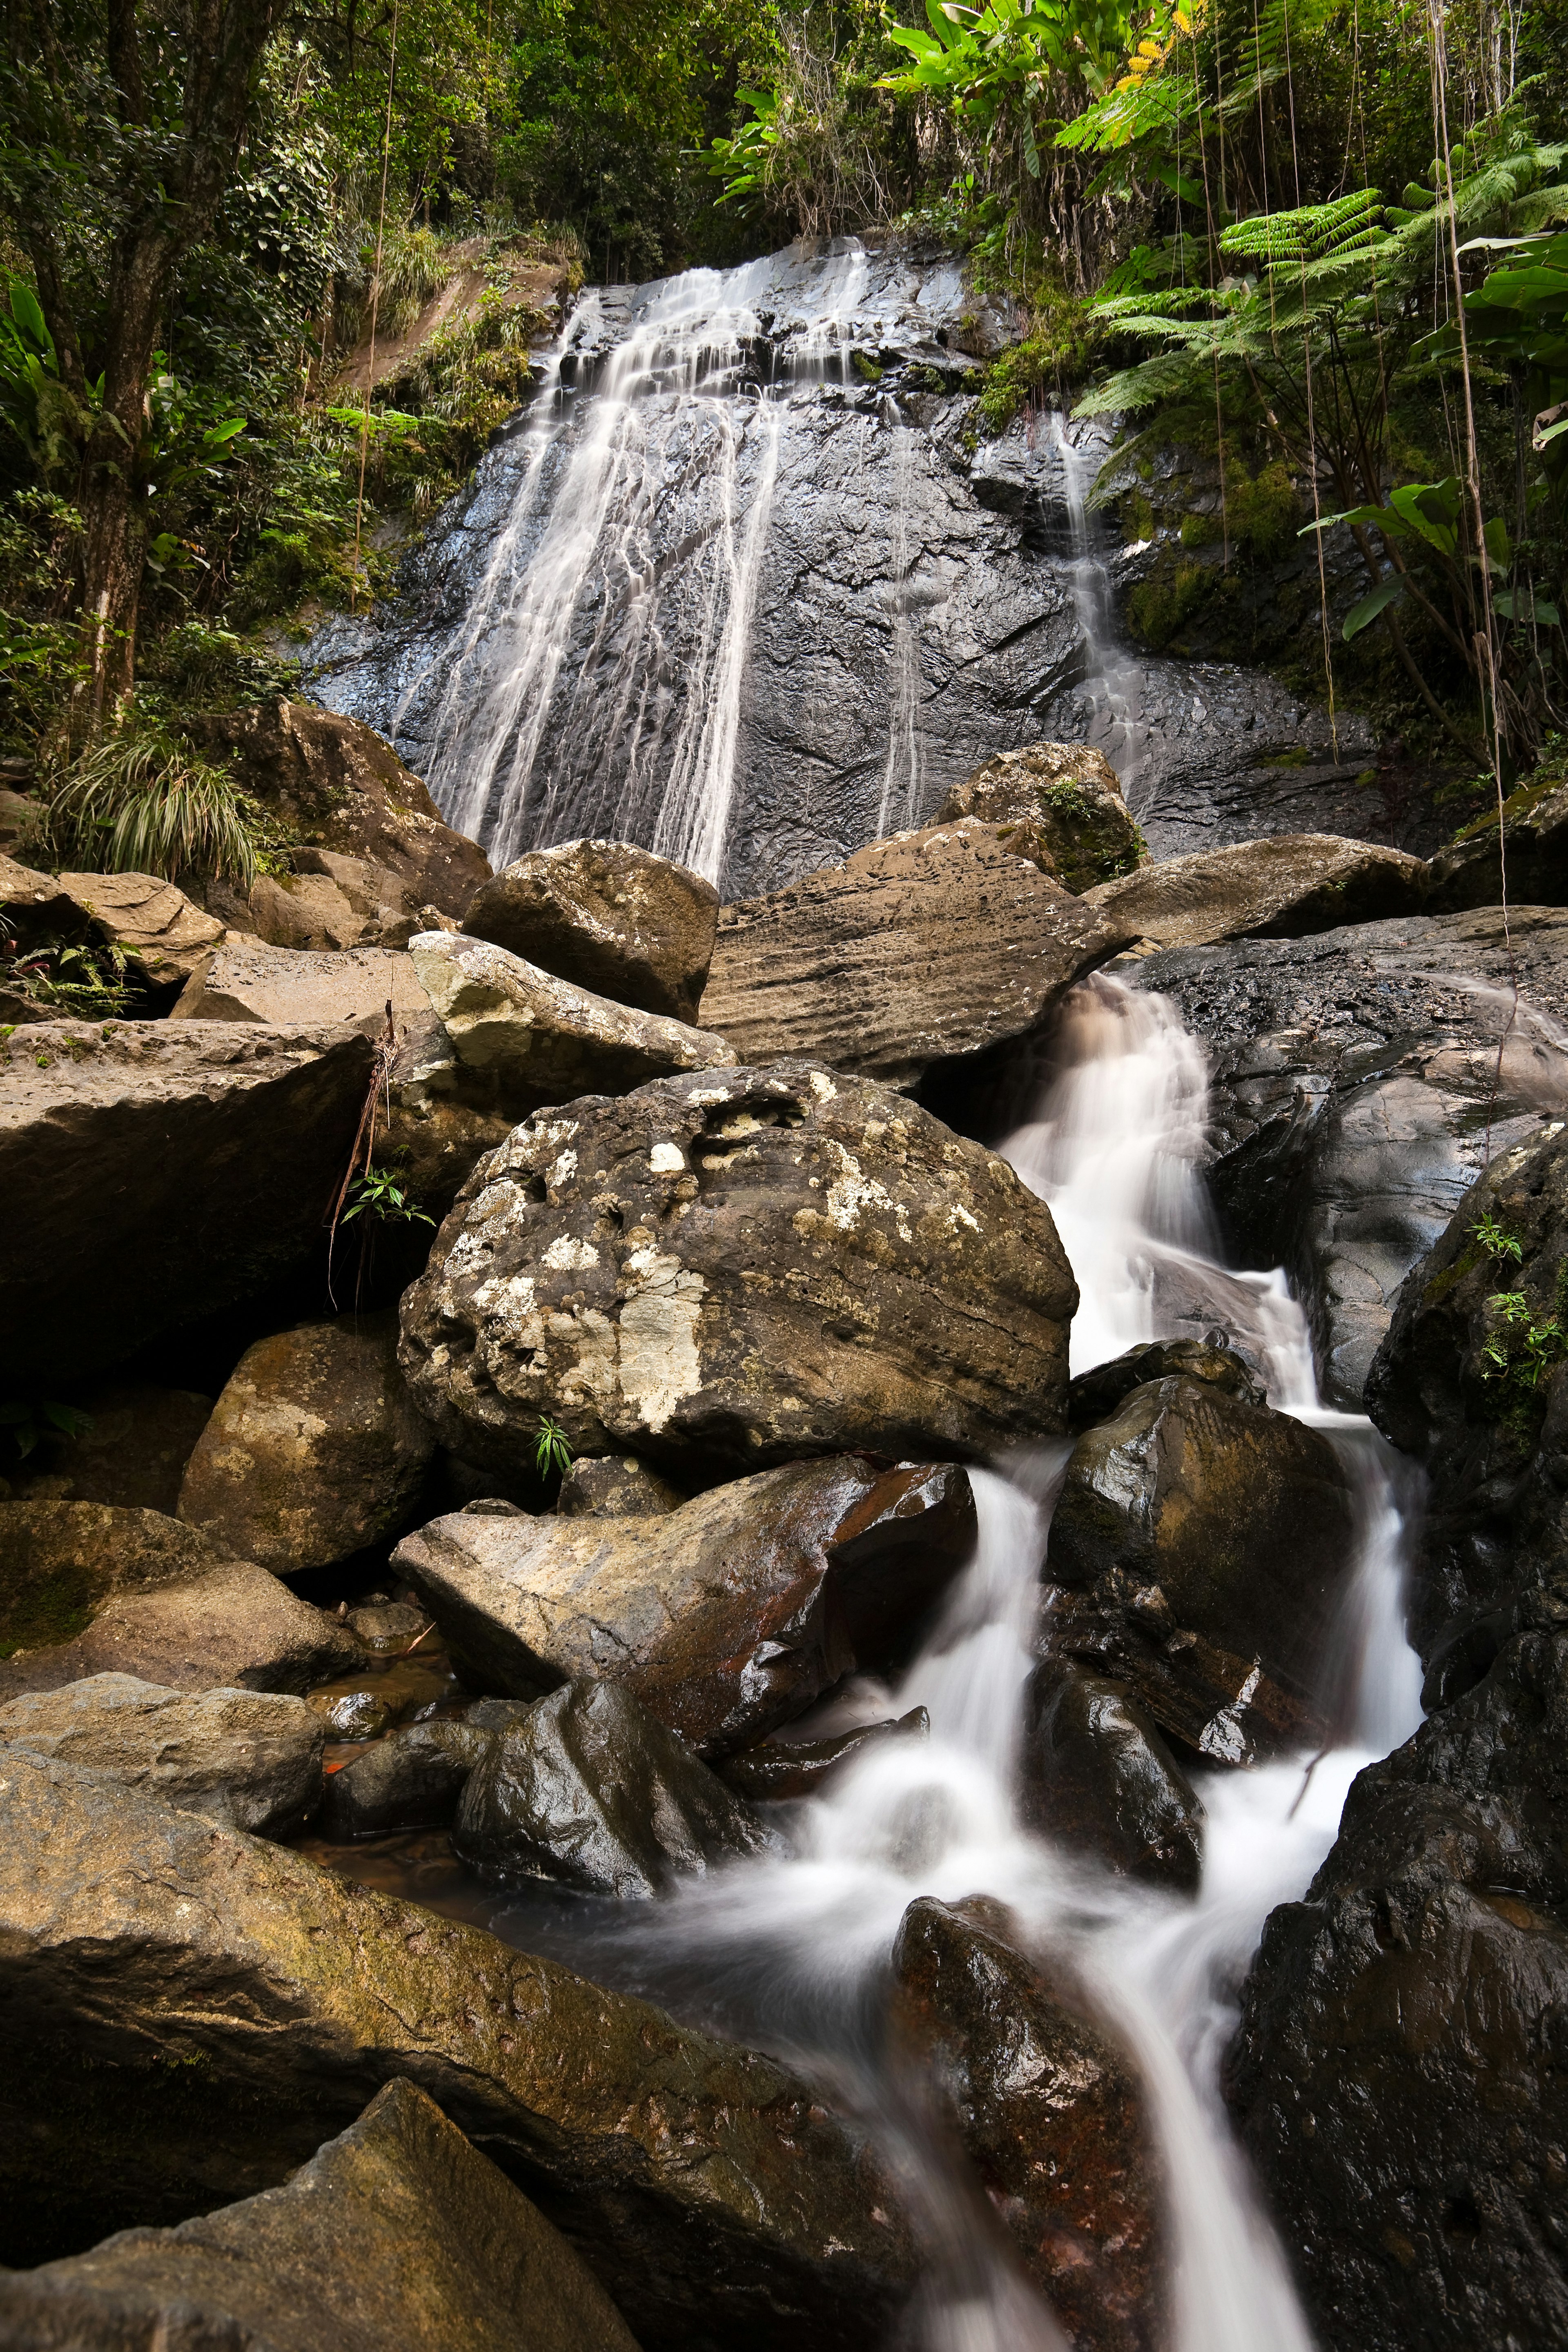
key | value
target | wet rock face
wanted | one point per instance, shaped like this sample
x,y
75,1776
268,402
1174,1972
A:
x,y
1461,1383
725,1617
444,2250
777,1770
1097,1777
256,2001
608,917
1067,800
1397,2074
412,1780
1200,1545
1467,873
248,1759
1354,1076
590,1791
1282,887
1049,2111
314,1449
737,1268
90,1590
920,948
154,1173
1094,1396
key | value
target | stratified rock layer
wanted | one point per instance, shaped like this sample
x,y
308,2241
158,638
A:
x,y
610,917
1281,887
739,1267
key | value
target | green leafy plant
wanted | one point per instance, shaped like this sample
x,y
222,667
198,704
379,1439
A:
x,y
552,1450
26,1421
86,983
382,1194
142,802
1526,1348
1495,1238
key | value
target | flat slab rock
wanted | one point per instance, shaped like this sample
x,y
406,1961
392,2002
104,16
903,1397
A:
x,y
724,1617
927,946
285,986
226,2005
610,918
165,932
741,1268
1282,886
397,2234
156,1172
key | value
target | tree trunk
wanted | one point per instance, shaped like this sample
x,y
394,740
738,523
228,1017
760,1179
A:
x,y
112,567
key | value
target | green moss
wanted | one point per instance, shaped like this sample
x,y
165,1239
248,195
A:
x,y
1053,356
1137,519
866,368
55,1609
1441,1284
1159,606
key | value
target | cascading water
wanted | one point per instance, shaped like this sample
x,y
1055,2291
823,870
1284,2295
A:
x,y
792,1950
1116,724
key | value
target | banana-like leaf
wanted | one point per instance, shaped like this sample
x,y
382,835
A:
x,y
1362,615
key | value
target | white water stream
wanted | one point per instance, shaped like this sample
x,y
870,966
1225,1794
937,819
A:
x,y
792,1949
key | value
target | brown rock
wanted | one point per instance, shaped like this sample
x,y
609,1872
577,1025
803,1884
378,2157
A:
x,y
1095,1394
344,789
87,1590
444,1116
776,1770
615,1486
1279,888
156,925
156,1171
35,910
1048,2112
1069,799
1468,873
725,1617
1201,1544
217,2005
611,918
397,2234
314,1450
738,1269
246,981
931,945
133,1452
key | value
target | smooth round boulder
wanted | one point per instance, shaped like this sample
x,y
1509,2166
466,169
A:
x,y
607,915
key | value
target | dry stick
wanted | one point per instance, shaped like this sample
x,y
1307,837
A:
x,y
374,308
364,1134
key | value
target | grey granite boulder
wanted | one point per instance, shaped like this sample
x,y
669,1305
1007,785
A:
x,y
246,980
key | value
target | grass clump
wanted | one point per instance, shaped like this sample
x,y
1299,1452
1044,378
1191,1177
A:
x,y
142,802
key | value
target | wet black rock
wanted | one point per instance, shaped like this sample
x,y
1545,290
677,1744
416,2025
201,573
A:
x,y
397,2234
591,1790
1398,2076
1199,1547
778,1768
1095,1394
1097,1777
411,1780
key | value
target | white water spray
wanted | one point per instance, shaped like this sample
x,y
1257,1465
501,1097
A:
x,y
1113,678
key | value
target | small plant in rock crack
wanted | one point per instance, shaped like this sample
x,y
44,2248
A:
x,y
26,1421
382,1194
551,1450
1524,1350
1496,1239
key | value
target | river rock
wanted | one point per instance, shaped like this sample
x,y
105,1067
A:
x,y
87,1590
1279,888
1355,1088
412,1780
343,789
153,924
918,950
774,1771
1482,1406
1095,1394
609,917
544,1039
1467,872
36,912
133,1452
614,1486
723,1618
220,2004
1398,2072
1097,1776
443,1115
1068,796
592,1791
1200,1546
397,2234
250,1759
1049,2113
155,1173
737,1268
242,980
314,1449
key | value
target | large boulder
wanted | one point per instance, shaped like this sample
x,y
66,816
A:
x,y
443,1117
250,1759
1404,2043
247,980
738,1269
1358,1081
314,1449
608,917
36,912
614,1486
1468,873
929,947
1049,2111
1199,1546
397,2234
1279,888
412,1780
155,1173
186,2013
725,1617
592,1791
153,924
342,788
1096,1776
1066,798
132,1452
87,1588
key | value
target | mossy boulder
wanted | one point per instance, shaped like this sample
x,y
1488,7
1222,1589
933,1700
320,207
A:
x,y
1065,800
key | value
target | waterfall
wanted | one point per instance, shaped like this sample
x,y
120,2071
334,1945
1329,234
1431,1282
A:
x,y
1113,678
899,804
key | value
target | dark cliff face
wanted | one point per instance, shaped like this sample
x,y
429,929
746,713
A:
x,y
742,587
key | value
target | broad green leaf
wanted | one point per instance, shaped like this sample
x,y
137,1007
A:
x,y
1361,616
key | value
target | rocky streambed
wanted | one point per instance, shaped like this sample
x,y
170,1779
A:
x,y
815,1714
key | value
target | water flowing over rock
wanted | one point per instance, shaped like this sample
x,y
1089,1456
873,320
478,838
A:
x,y
396,2233
776,1770
608,917
922,949
254,2001
719,593
1097,1777
737,1268
1067,800
1278,888
723,1618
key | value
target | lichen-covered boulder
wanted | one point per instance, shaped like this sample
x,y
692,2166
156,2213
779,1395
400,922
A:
x,y
741,1268
610,917
314,1449
614,1486
1066,797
